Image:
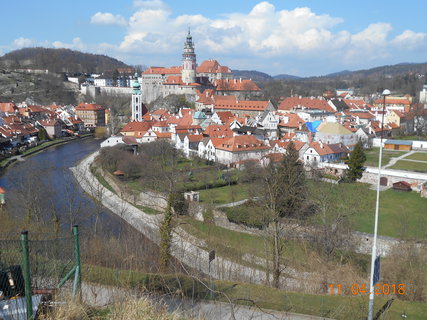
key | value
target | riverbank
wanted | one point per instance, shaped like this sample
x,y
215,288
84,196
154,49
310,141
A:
x,y
188,249
39,148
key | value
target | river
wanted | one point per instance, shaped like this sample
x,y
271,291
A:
x,y
44,183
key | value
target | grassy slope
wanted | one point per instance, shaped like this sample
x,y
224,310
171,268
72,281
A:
x,y
410,166
372,156
337,307
401,214
422,156
225,194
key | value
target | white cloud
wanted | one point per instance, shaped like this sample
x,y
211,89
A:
x,y
264,30
107,18
76,44
22,43
410,40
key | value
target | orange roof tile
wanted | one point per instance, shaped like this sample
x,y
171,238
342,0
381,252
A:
x,y
292,103
135,126
162,70
294,121
89,107
8,107
218,131
212,66
231,103
195,137
242,143
235,85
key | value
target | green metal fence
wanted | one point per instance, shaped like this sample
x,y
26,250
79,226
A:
x,y
48,263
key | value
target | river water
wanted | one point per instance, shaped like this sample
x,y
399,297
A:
x,y
44,185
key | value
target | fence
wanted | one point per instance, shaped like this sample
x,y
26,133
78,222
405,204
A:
x,y
34,265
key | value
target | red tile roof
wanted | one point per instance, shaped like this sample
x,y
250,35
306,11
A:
x,y
135,126
195,137
361,115
224,115
8,107
324,149
218,131
177,80
231,103
292,103
235,85
212,66
242,143
48,123
163,135
294,121
392,101
162,70
89,107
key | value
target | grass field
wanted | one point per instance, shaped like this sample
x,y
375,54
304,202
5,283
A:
x,y
225,194
401,214
372,156
410,166
421,156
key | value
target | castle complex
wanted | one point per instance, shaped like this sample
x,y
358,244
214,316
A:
x,y
190,79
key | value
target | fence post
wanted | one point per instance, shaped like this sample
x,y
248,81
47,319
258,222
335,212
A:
x,y
27,273
77,275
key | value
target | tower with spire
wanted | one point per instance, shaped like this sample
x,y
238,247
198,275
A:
x,y
137,105
188,61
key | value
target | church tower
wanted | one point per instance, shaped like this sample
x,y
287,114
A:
x,y
188,61
137,105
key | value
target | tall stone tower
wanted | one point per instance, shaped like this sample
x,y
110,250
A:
x,y
137,105
188,61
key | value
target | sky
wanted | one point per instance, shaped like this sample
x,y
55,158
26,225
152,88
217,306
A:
x,y
297,37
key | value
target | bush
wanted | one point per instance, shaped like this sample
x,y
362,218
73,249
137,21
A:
x,y
178,203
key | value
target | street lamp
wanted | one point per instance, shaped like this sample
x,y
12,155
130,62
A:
x,y
385,93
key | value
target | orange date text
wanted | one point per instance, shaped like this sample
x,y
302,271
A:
x,y
379,289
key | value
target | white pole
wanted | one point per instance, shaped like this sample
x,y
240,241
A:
x,y
377,204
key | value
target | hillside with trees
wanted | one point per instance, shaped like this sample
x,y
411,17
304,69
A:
x,y
59,60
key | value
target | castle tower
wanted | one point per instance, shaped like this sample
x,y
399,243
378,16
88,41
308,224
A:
x,y
188,61
137,105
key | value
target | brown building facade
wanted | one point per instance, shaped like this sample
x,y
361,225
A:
x,y
93,115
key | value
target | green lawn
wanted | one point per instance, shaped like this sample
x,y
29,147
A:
x,y
225,194
401,214
372,156
410,166
421,156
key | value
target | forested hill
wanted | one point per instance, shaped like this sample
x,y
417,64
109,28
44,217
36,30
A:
x,y
387,71
59,60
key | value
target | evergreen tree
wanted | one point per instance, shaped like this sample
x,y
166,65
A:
x,y
284,194
166,238
355,163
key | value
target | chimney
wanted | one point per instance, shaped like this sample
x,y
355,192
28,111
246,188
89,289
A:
x,y
321,144
299,125
240,80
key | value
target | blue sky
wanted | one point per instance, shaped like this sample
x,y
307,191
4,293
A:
x,y
297,37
